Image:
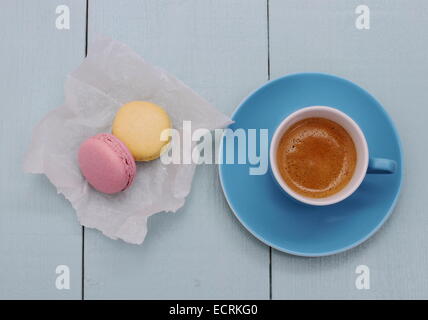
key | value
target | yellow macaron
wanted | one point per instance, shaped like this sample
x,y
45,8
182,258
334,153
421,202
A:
x,y
139,124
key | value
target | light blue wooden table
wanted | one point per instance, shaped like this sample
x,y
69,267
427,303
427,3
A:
x,y
223,49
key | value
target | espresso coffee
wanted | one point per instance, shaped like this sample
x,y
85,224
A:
x,y
316,157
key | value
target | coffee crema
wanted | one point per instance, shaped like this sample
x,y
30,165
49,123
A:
x,y
316,157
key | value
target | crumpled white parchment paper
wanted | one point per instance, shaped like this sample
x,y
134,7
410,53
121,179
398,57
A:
x,y
111,75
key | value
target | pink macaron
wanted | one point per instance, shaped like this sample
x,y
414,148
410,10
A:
x,y
106,163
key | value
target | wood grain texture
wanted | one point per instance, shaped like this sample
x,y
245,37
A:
x,y
219,48
38,228
390,61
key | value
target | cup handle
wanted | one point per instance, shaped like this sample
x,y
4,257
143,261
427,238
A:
x,y
380,165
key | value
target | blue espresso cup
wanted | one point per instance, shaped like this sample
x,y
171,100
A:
x,y
364,165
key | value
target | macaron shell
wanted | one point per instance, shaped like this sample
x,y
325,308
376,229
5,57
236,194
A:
x,y
106,163
139,125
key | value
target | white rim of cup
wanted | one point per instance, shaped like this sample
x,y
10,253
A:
x,y
356,182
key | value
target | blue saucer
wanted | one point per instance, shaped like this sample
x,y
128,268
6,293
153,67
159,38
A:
x,y
284,224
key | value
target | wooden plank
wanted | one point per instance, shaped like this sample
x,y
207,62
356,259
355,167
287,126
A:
x,y
38,228
219,48
389,60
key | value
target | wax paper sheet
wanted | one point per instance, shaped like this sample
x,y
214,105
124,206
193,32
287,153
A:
x,y
111,75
